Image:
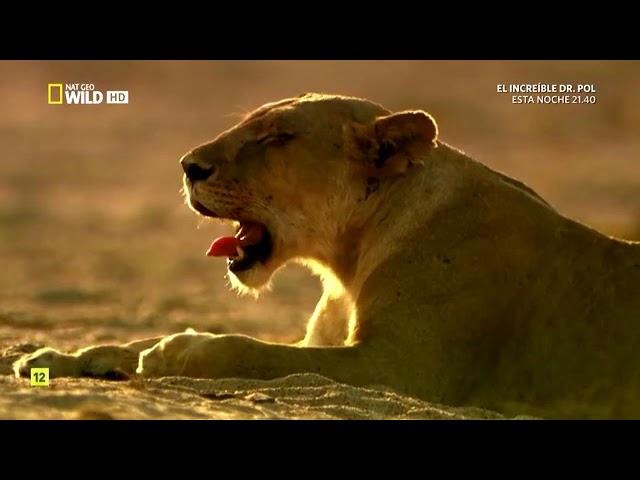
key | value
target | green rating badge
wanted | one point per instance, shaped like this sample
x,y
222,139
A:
x,y
39,377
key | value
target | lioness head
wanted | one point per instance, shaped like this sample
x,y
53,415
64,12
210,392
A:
x,y
298,177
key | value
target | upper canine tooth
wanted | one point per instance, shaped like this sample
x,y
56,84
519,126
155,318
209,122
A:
x,y
240,252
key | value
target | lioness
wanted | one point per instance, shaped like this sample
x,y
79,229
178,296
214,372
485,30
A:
x,y
443,279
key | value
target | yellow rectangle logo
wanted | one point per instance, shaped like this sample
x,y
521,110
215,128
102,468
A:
x,y
50,98
39,377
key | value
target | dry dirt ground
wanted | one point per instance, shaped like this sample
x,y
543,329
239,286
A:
x,y
96,245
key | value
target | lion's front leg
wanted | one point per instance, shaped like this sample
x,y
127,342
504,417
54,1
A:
x,y
108,361
329,324
224,356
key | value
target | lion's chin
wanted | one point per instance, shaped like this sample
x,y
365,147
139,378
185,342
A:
x,y
252,281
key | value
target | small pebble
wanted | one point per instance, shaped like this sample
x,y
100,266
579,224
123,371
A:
x,y
258,397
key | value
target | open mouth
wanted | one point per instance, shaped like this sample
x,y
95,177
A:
x,y
251,243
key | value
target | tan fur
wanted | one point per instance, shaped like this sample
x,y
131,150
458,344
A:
x,y
443,279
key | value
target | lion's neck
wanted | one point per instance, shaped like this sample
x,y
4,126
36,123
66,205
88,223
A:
x,y
380,226
375,229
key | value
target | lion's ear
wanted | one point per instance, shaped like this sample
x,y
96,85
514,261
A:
x,y
393,144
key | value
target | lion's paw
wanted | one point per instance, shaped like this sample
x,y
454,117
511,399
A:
x,y
166,357
59,364
180,354
151,362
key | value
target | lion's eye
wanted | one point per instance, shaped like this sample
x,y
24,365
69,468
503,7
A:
x,y
277,139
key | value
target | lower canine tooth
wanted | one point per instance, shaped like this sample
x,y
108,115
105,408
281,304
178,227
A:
x,y
240,252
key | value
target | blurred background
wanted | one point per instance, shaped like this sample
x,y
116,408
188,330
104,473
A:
x,y
96,244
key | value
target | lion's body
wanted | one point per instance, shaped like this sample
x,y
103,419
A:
x,y
443,279
502,302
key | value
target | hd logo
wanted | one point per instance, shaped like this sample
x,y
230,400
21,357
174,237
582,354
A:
x,y
83,94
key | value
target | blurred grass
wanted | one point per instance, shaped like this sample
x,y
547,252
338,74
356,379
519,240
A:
x,y
96,243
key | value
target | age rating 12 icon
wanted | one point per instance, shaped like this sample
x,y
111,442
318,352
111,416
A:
x,y
39,377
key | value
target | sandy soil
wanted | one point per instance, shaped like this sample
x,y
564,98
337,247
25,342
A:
x,y
96,245
304,396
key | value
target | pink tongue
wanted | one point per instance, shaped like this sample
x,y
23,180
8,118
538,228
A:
x,y
249,234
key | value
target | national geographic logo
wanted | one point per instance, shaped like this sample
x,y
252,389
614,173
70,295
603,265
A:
x,y
83,94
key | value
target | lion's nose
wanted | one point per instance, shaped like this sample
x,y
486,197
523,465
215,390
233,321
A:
x,y
195,171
